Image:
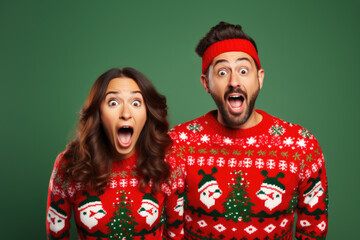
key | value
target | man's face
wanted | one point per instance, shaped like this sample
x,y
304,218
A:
x,y
234,83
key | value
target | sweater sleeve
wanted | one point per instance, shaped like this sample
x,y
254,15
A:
x,y
58,211
312,209
174,202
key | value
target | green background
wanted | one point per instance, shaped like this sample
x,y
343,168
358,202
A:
x,y
51,52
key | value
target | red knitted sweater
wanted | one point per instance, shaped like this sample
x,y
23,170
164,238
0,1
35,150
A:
x,y
120,211
248,184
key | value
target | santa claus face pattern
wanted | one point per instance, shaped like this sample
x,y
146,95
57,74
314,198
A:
x,y
150,210
91,213
209,188
56,220
210,194
271,196
271,190
180,206
312,197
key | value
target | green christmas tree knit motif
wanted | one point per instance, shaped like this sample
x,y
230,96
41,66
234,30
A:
x,y
238,204
122,225
293,202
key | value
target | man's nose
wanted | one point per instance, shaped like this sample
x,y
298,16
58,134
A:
x,y
234,80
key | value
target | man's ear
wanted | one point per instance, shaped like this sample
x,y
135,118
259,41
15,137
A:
x,y
261,75
205,82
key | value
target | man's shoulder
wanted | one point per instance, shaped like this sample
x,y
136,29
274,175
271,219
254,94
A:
x,y
290,127
194,123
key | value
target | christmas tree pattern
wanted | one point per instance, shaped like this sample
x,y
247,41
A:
x,y
238,204
122,225
293,202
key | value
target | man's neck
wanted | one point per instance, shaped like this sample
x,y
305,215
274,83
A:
x,y
254,119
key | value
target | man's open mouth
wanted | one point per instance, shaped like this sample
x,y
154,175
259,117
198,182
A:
x,y
125,135
236,102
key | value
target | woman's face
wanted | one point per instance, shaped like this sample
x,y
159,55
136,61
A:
x,y
123,115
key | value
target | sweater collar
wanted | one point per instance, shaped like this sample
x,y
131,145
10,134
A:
x,y
258,129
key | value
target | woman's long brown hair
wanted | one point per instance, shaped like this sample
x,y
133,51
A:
x,y
90,153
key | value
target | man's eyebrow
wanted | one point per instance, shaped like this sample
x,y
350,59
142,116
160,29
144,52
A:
x,y
243,58
220,61
237,60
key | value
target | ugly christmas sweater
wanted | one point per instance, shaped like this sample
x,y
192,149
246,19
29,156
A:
x,y
247,184
120,211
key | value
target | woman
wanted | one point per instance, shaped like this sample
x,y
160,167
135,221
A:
x,y
113,175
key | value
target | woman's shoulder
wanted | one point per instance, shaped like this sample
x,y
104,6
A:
x,y
62,160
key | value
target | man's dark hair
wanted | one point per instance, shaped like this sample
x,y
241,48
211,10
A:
x,y
220,32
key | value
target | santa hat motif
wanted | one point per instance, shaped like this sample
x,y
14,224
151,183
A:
x,y
90,201
315,182
149,199
208,180
273,182
54,207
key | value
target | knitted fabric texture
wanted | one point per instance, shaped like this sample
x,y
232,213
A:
x,y
229,45
248,183
120,211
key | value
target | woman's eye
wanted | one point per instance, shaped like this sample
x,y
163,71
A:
x,y
112,103
222,72
243,71
136,103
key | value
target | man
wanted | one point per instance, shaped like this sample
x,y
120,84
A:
x,y
247,171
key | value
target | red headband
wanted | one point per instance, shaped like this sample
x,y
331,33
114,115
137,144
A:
x,y
229,45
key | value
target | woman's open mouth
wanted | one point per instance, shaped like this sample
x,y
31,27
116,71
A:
x,y
125,135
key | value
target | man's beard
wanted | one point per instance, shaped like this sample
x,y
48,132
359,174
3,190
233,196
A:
x,y
231,120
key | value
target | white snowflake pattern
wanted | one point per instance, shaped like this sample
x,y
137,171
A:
x,y
220,162
113,184
78,186
247,162
314,167
174,185
71,191
205,138
270,164
63,194
210,161
259,163
232,162
293,168
191,160
301,143
123,183
320,161
167,191
183,136
250,141
56,190
180,182
282,165
228,141
240,163
201,161
288,141
307,173
133,182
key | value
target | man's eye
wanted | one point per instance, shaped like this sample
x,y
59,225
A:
x,y
112,103
243,71
222,72
136,103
